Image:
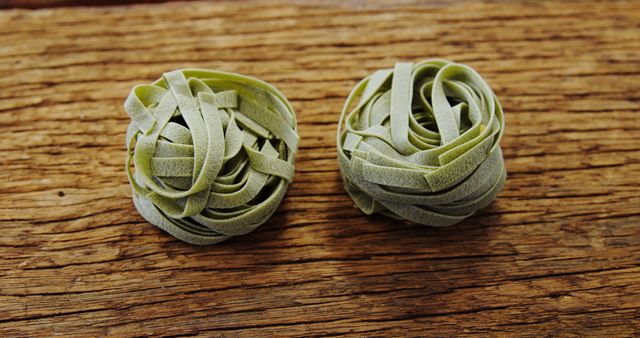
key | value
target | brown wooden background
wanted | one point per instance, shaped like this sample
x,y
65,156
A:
x,y
558,254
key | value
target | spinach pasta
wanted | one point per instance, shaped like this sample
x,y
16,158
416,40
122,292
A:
x,y
213,153
422,143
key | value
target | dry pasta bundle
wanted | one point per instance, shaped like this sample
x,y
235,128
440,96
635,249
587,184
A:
x,y
422,143
213,153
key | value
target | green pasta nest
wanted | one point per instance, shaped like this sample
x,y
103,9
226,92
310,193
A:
x,y
213,153
422,143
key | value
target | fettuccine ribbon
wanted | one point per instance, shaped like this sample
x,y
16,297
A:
x,y
422,144
213,153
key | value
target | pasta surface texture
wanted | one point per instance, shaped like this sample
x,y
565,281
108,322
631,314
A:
x,y
422,143
213,153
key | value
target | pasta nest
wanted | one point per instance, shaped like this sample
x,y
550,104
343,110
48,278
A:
x,y
422,143
213,153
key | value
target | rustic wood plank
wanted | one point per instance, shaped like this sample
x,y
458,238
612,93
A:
x,y
67,3
557,254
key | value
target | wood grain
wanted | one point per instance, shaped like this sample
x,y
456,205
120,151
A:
x,y
558,254
33,4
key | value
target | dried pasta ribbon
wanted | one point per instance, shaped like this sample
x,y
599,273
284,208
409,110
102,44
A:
x,y
422,143
213,153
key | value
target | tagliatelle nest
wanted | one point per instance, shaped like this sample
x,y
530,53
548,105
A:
x,y
213,153
422,144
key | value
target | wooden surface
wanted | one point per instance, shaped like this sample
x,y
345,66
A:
x,y
68,3
558,254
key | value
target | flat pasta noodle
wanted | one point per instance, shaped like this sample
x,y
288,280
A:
x,y
213,153
422,143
